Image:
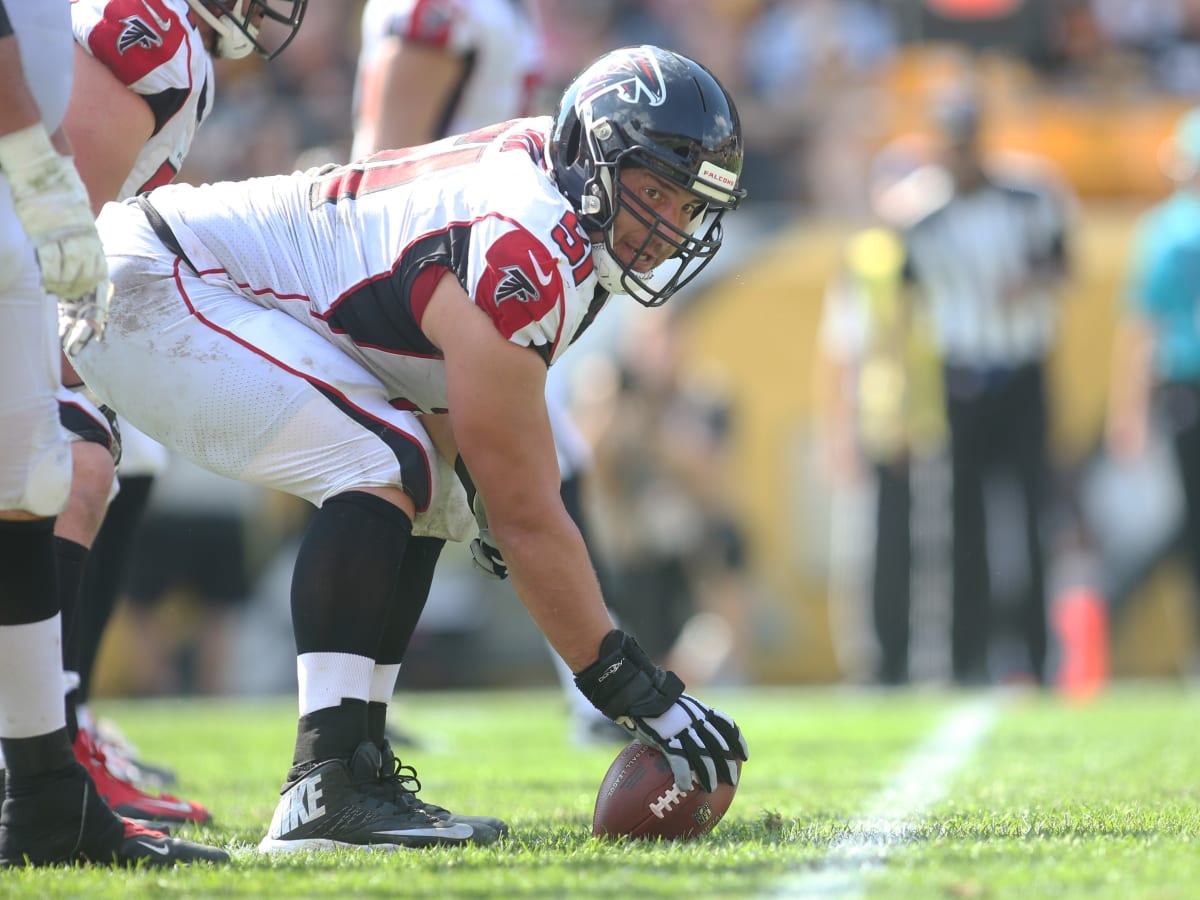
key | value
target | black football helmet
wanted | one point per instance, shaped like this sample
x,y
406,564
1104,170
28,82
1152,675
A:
x,y
653,108
237,23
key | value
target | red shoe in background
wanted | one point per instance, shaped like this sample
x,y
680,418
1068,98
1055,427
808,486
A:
x,y
125,798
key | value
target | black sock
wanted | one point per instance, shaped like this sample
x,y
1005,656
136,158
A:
x,y
377,722
330,733
36,756
345,578
411,592
72,705
104,571
69,560
27,574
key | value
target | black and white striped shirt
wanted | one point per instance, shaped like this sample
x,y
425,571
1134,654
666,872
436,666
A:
x,y
980,261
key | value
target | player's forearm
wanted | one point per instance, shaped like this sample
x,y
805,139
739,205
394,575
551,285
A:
x,y
553,575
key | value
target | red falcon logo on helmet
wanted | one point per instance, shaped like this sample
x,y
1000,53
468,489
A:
x,y
643,84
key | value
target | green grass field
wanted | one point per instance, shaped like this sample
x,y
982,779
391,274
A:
x,y
846,794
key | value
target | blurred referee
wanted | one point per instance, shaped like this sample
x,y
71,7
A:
x,y
988,261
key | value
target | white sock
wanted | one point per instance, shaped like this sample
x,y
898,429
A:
x,y
31,679
383,683
327,678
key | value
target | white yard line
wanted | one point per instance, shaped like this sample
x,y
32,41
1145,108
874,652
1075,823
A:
x,y
923,781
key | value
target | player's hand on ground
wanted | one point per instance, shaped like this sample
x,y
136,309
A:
x,y
625,685
52,204
82,319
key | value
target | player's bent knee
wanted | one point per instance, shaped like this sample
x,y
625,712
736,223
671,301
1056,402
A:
x,y
92,473
93,481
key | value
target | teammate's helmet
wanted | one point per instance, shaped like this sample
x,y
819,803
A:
x,y
237,23
649,107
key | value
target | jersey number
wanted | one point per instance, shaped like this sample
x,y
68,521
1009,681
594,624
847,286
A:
x,y
573,241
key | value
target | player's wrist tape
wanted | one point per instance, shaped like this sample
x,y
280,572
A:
x,y
624,682
25,149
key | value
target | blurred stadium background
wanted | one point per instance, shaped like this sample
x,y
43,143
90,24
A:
x,y
1094,86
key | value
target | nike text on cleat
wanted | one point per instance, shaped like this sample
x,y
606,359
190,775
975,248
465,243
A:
x,y
127,799
341,803
60,819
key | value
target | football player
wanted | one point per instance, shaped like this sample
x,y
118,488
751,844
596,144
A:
x,y
341,333
430,68
50,811
144,85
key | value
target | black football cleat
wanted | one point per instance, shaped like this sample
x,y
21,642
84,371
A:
x,y
342,803
401,784
60,819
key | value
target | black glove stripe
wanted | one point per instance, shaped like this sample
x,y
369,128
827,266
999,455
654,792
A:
x,y
710,733
702,763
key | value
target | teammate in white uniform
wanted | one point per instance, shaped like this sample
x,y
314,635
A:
x,y
321,333
431,68
51,812
144,86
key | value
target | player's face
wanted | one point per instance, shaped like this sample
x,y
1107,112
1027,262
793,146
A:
x,y
659,197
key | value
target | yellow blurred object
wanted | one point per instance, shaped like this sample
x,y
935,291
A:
x,y
900,392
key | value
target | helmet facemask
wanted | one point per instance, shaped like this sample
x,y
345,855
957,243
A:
x,y
238,22
693,247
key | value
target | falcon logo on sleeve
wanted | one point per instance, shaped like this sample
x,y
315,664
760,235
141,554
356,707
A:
x,y
431,23
515,285
521,284
137,33
133,38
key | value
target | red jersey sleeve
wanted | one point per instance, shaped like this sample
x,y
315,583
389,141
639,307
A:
x,y
521,289
135,37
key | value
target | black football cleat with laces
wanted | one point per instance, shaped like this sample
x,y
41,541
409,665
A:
x,y
60,819
401,784
343,803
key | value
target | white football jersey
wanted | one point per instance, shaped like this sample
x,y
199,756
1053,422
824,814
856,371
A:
x,y
355,251
155,50
499,40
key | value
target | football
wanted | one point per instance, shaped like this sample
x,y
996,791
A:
x,y
638,798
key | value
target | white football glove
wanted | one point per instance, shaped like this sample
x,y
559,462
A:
x,y
84,318
625,685
52,204
696,739
485,552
